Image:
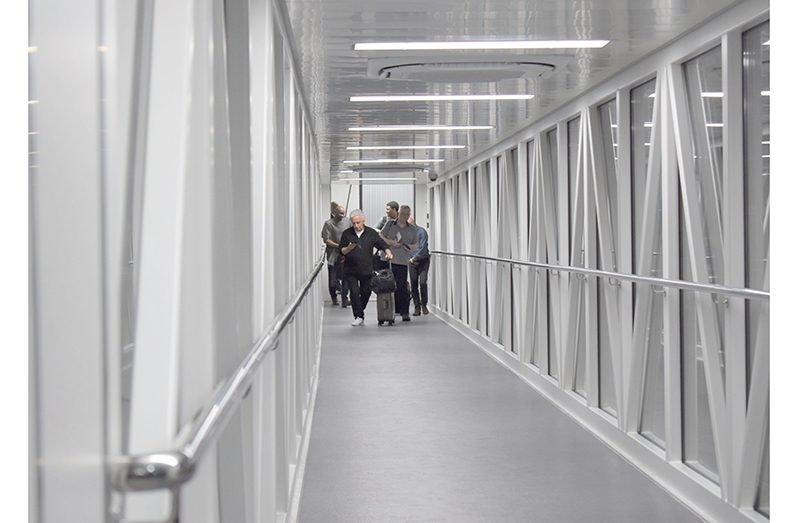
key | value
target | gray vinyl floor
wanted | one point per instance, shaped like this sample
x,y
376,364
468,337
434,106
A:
x,y
415,423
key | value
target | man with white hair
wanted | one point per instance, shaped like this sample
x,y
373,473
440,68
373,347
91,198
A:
x,y
357,245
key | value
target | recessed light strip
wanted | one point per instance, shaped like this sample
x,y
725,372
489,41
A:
x,y
439,97
422,128
350,180
394,160
480,44
403,147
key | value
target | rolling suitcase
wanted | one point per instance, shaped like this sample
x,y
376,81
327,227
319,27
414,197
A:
x,y
385,308
383,283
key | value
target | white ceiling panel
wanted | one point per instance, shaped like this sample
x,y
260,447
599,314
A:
x,y
325,32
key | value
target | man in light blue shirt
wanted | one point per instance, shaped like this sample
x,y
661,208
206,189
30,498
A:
x,y
419,269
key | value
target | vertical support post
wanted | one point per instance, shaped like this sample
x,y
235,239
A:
x,y
563,199
68,306
590,311
670,271
624,247
154,397
734,246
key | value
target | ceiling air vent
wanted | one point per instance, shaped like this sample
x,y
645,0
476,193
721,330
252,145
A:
x,y
470,69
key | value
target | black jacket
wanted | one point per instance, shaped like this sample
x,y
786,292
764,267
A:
x,y
359,261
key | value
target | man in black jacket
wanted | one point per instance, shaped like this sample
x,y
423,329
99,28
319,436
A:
x,y
357,245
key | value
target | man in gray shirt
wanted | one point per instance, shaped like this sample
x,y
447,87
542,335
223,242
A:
x,y
403,239
331,234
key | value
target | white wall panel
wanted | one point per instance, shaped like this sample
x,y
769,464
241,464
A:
x,y
374,196
169,281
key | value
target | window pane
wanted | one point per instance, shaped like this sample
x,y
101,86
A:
x,y
575,188
705,104
648,299
553,280
704,77
756,94
608,120
762,503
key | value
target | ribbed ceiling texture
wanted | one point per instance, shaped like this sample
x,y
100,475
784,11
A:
x,y
325,32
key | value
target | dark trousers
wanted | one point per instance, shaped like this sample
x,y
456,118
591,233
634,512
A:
x,y
359,293
418,278
337,281
402,296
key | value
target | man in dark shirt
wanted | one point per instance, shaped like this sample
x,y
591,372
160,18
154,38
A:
x,y
357,245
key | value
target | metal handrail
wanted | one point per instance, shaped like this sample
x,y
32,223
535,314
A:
x,y
686,285
172,468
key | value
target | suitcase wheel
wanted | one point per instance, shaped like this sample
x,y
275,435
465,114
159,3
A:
x,y
380,323
390,322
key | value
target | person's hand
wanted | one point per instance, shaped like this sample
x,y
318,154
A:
x,y
413,261
389,255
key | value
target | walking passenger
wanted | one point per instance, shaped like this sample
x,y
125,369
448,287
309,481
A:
x,y
419,268
391,212
331,234
358,244
403,238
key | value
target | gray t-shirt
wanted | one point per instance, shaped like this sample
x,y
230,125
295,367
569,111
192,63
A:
x,y
333,230
406,235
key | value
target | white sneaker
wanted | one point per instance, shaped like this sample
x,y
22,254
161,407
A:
x,y
358,322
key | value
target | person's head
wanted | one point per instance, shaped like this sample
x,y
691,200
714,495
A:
x,y
333,207
392,210
338,211
404,213
358,220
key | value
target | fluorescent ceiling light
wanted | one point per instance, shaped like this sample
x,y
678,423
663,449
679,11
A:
x,y
439,97
394,160
766,43
713,94
648,124
652,95
483,44
714,125
765,156
402,147
346,171
422,128
766,142
351,180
